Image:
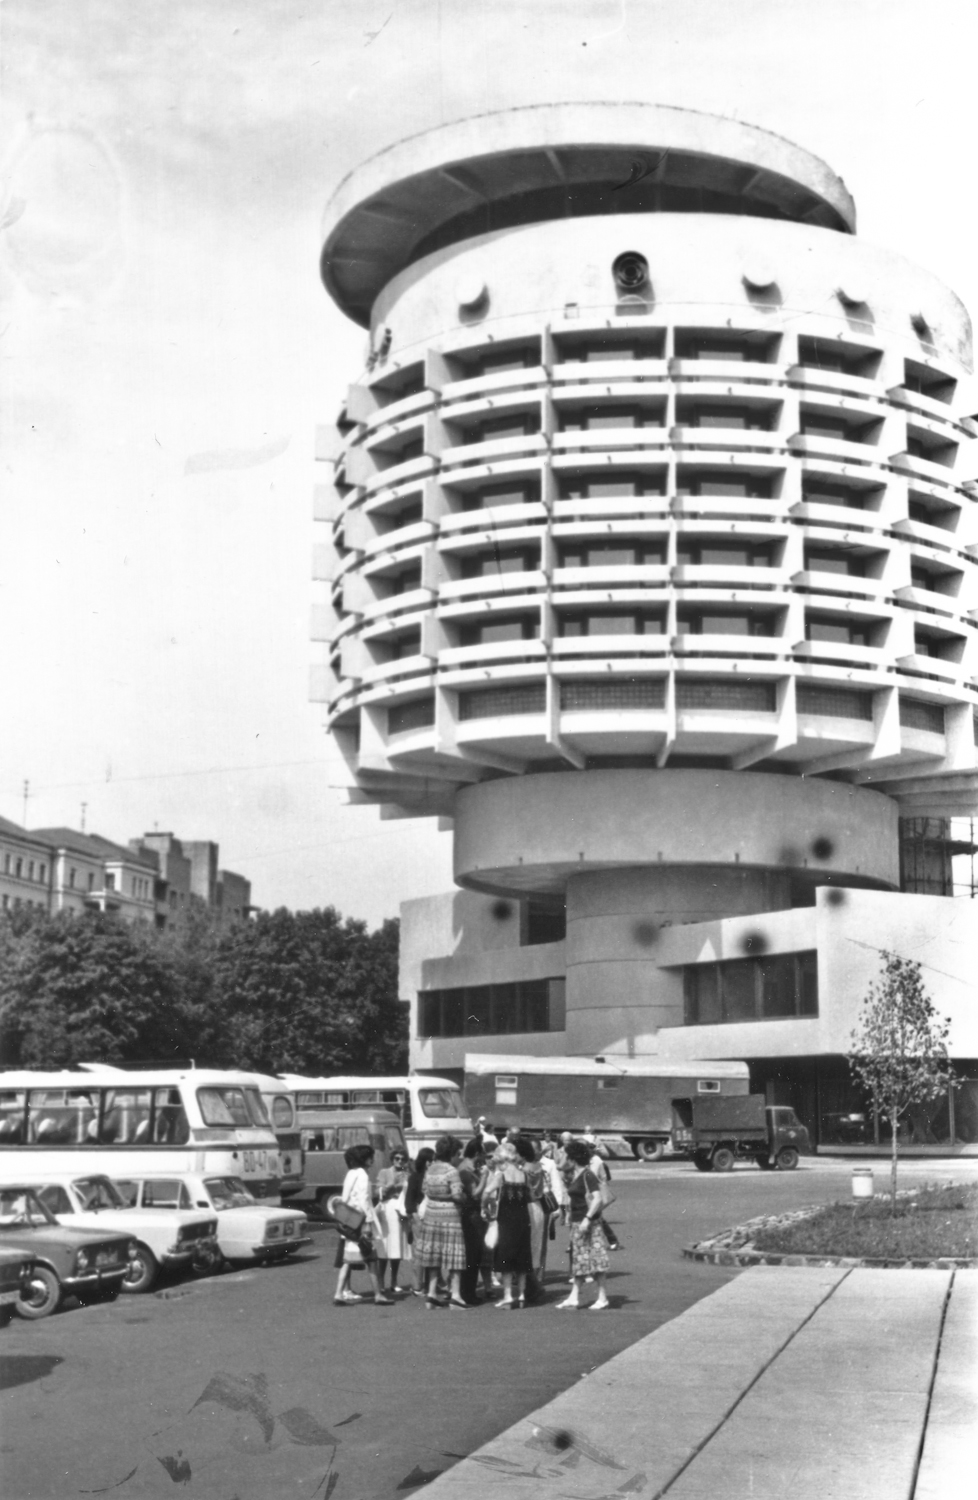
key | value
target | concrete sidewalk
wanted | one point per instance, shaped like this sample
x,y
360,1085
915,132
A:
x,y
813,1383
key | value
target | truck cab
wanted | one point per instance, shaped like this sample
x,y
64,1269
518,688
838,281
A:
x,y
717,1131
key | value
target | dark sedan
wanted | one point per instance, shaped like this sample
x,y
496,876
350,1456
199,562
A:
x,y
90,1263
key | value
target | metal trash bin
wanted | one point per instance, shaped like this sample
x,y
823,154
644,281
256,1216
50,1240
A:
x,y
862,1182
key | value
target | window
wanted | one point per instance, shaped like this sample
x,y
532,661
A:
x,y
171,1126
497,631
622,693
42,872
30,869
598,348
741,418
724,622
928,382
707,553
916,714
109,881
19,868
748,486
605,622
851,429
815,492
779,987
403,583
544,923
125,1117
710,344
833,702
6,864
623,553
834,560
595,418
837,356
520,1006
501,494
720,694
91,879
498,561
407,643
407,515
588,487
223,1106
496,428
839,632
491,703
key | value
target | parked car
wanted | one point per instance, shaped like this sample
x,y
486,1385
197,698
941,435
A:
x,y
246,1229
15,1269
164,1241
90,1263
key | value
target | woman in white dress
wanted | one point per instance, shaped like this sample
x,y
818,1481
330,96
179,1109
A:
x,y
357,1193
389,1188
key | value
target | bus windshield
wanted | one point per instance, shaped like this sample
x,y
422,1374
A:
x,y
224,1105
441,1103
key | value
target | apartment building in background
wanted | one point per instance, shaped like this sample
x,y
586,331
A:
x,y
155,879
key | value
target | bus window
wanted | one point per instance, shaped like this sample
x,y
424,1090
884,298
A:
x,y
393,1138
283,1115
440,1103
223,1106
11,1117
319,1140
256,1108
352,1135
125,1117
172,1127
360,1097
60,1117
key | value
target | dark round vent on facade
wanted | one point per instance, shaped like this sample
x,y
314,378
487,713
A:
x,y
630,271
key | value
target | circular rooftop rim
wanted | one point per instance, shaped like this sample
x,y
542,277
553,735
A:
x,y
547,161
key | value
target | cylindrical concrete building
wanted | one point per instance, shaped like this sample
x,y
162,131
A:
x,y
654,554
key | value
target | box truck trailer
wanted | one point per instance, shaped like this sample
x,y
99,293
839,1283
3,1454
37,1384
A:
x,y
626,1103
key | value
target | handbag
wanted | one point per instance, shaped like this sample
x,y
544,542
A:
x,y
349,1221
607,1196
549,1203
492,1235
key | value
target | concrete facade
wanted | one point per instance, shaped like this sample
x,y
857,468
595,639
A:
x,y
652,564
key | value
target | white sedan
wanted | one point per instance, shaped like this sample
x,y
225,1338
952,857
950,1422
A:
x,y
246,1229
163,1241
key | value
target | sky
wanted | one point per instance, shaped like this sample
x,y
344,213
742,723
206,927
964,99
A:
x,y
168,350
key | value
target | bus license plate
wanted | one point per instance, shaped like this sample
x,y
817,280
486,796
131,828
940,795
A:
x,y
255,1161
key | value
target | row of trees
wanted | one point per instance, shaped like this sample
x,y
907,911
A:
x,y
306,992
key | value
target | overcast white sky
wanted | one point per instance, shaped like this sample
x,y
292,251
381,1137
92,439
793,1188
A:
x,y
168,350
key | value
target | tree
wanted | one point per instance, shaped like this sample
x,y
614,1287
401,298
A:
x,y
899,1048
92,988
309,992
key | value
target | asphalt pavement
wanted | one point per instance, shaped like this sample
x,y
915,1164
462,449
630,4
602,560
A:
x,y
253,1383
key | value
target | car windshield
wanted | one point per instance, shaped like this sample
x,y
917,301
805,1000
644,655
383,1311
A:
x,y
441,1103
228,1192
96,1193
20,1208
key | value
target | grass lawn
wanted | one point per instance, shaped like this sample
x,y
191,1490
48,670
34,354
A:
x,y
929,1223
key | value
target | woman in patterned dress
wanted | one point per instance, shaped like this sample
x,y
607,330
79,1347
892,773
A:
x,y
589,1248
438,1241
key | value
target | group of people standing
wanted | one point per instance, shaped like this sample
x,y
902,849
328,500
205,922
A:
x,y
476,1215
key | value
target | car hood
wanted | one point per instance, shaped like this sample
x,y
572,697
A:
x,y
132,1220
58,1236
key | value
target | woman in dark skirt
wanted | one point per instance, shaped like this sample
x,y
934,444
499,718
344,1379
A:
x,y
507,1199
474,1175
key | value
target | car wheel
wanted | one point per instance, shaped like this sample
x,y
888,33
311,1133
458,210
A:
x,y
143,1270
723,1159
42,1296
786,1159
702,1163
207,1262
650,1150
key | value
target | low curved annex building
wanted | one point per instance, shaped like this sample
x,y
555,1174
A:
x,y
653,567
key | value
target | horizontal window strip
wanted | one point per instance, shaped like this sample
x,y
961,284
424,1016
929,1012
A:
x,y
747,697
492,703
916,714
629,693
834,703
418,714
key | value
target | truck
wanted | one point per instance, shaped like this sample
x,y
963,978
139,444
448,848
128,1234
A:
x,y
718,1131
627,1103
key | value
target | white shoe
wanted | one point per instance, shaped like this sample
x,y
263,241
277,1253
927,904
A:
x,y
568,1302
599,1306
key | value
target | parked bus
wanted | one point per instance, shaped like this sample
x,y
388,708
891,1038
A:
x,y
103,1119
284,1118
326,1135
426,1106
627,1104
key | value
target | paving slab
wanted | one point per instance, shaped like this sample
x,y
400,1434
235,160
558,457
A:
x,y
633,1426
950,1455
